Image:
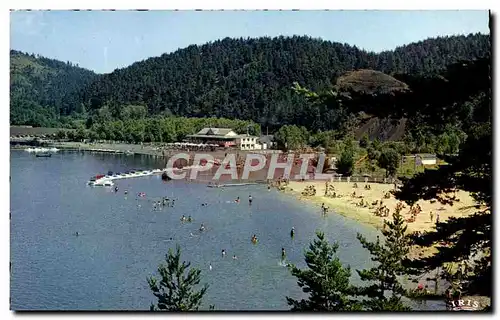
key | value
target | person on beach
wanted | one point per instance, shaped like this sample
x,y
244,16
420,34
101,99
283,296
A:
x,y
250,199
431,215
324,209
437,218
283,254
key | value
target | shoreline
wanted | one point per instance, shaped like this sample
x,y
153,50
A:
x,y
349,207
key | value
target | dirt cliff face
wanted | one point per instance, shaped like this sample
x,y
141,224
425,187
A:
x,y
383,129
368,83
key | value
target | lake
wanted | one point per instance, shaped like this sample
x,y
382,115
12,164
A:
x,y
122,240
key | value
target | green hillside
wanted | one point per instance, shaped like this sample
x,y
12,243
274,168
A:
x,y
42,89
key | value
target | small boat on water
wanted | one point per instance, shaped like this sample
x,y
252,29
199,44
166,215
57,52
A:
x,y
94,181
104,183
43,155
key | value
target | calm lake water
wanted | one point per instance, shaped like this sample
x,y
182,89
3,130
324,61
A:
x,y
122,239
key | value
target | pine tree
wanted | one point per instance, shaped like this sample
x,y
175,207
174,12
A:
x,y
326,280
176,291
390,257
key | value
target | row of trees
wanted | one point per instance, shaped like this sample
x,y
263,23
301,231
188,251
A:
x,y
294,137
325,280
158,129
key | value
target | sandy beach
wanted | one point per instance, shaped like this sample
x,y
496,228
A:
x,y
349,207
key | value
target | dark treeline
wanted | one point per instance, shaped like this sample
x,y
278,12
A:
x,y
250,79
247,79
40,87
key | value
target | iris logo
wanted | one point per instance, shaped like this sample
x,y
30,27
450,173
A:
x,y
464,304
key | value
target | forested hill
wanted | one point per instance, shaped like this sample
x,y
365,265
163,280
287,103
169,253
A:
x,y
41,87
251,78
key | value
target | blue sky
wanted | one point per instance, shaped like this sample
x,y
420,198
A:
x,y
105,40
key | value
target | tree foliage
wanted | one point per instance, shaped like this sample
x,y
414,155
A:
x,y
291,137
325,280
469,238
42,89
389,258
176,289
159,129
389,160
345,164
247,79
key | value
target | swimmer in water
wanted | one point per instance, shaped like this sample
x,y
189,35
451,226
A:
x,y
116,189
76,234
190,219
126,192
210,266
250,199
235,258
283,254
223,252
292,232
202,227
237,200
268,188
183,218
